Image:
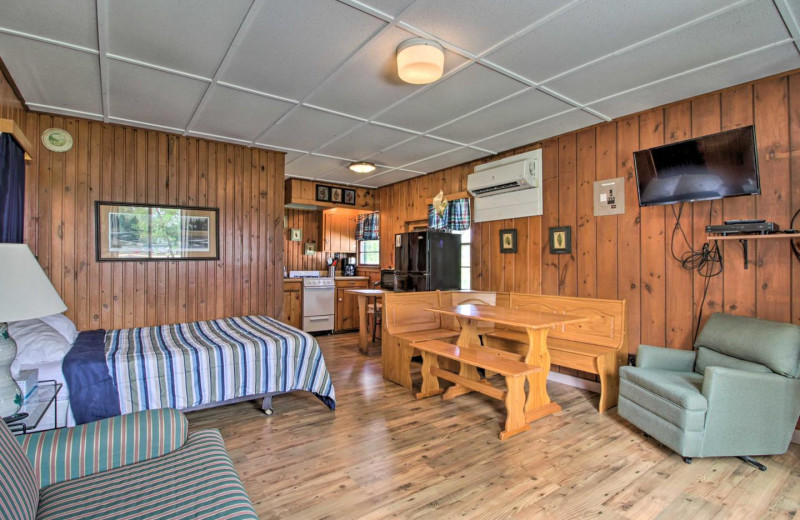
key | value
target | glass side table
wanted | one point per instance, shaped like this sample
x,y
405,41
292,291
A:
x,y
36,406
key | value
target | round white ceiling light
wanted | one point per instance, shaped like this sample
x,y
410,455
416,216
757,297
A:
x,y
420,61
362,167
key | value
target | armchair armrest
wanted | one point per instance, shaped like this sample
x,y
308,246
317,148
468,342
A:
x,y
665,358
750,407
70,453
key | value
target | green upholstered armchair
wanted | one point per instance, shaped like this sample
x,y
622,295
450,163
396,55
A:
x,y
736,394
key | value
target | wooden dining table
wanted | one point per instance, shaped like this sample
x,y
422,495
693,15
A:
x,y
536,324
363,295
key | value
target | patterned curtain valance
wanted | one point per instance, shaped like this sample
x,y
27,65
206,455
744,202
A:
x,y
456,216
367,226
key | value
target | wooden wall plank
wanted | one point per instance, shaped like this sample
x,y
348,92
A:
x,y
607,267
794,134
568,212
550,162
586,235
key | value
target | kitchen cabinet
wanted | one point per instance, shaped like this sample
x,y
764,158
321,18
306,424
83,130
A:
x,y
339,230
293,303
347,304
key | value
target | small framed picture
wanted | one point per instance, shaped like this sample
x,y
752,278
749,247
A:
x,y
508,240
323,193
560,240
350,197
336,194
296,235
310,248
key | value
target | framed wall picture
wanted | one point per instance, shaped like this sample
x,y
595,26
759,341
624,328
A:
x,y
296,235
323,193
350,197
140,232
560,240
336,195
508,240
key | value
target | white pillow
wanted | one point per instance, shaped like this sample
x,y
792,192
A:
x,y
63,325
37,343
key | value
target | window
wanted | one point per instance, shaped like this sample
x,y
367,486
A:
x,y
369,252
465,247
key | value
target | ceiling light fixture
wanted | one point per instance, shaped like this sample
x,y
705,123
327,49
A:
x,y
362,167
420,61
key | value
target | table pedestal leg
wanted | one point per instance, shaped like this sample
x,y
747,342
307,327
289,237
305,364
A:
x,y
362,323
468,336
538,403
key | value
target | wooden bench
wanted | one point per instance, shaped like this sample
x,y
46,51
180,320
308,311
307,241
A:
x,y
405,322
598,346
480,357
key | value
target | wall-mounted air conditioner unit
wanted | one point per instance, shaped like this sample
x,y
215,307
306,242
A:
x,y
508,188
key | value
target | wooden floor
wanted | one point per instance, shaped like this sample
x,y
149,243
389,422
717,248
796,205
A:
x,y
383,454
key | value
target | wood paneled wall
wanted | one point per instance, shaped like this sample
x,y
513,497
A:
x,y
310,222
628,256
112,162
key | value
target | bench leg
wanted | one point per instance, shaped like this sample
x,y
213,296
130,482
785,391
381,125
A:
x,y
430,383
609,381
515,400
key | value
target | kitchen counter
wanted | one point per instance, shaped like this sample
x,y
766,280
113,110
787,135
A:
x,y
339,277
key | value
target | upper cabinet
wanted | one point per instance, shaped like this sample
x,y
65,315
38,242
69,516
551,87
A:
x,y
339,230
302,194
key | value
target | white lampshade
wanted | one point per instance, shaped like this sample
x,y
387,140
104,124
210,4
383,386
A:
x,y
420,61
362,167
25,290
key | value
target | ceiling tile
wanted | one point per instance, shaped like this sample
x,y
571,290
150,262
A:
x,y
470,89
186,35
72,22
609,25
390,178
745,28
765,63
365,141
292,46
514,112
306,129
372,74
344,175
291,156
474,25
238,114
313,166
390,7
171,99
51,75
413,150
447,160
543,130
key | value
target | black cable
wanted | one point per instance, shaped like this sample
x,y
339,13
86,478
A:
x,y
707,261
795,247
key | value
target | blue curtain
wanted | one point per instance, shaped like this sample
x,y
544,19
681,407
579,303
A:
x,y
12,190
456,216
436,221
367,227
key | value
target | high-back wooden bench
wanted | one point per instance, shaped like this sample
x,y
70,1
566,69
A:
x,y
514,372
453,298
598,346
407,321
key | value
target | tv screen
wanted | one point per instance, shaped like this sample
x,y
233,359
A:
x,y
711,167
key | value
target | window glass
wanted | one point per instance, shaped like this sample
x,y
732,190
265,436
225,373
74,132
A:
x,y
369,252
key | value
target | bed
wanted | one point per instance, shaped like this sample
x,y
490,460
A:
x,y
189,366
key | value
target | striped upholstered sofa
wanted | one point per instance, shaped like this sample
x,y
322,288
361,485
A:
x,y
140,465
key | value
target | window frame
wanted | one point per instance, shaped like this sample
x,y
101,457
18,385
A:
x,y
359,253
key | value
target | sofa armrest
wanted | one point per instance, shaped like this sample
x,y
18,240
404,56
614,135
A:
x,y
69,453
745,405
665,358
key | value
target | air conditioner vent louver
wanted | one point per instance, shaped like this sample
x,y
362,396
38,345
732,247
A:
x,y
498,187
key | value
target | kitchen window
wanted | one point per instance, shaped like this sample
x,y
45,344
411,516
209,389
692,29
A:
x,y
369,252
466,238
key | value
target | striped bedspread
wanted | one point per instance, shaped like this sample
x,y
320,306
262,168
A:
x,y
191,364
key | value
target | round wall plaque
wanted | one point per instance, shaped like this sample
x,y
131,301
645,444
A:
x,y
57,139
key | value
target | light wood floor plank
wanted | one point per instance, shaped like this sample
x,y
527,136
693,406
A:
x,y
383,454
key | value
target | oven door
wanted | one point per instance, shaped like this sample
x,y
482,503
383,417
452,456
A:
x,y
318,301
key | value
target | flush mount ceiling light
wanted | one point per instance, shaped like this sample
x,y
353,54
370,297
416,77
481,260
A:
x,y
420,61
362,167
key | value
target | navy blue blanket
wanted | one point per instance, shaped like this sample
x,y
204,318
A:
x,y
92,392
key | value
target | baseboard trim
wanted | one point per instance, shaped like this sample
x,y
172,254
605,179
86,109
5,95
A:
x,y
593,386
796,437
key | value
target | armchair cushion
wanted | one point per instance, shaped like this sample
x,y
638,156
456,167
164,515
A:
x,y
772,344
707,358
19,492
197,481
90,448
665,358
673,396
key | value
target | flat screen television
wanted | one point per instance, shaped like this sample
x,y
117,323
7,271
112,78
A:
x,y
707,168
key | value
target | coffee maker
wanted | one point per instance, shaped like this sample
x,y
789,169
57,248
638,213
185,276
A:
x,y
349,268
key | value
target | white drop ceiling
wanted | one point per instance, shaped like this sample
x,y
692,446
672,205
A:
x,y
317,78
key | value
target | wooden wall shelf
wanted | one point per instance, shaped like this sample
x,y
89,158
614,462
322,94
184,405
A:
x,y
743,239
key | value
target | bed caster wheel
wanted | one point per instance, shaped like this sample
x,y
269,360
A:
x,y
269,411
687,460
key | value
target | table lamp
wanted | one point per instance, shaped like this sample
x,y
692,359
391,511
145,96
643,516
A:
x,y
25,293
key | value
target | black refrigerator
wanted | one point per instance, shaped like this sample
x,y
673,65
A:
x,y
427,261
